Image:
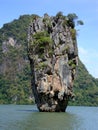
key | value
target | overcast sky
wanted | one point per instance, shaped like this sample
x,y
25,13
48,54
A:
x,y
86,10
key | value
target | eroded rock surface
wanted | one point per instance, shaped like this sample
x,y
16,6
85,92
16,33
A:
x,y
53,55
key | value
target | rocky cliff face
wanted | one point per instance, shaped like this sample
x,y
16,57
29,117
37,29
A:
x,y
53,55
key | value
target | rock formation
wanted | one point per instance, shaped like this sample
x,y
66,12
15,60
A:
x,y
53,55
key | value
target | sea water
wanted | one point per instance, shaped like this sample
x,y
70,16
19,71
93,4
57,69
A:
x,y
27,117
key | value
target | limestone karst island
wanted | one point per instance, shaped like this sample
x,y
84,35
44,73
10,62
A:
x,y
53,55
43,50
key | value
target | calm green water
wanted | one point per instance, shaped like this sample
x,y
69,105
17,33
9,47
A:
x,y
27,117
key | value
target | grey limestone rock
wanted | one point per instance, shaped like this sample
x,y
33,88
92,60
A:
x,y
53,56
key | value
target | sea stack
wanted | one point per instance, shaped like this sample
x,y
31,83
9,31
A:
x,y
53,55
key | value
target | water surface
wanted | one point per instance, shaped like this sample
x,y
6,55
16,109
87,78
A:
x,y
27,117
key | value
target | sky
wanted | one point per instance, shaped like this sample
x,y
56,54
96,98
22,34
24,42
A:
x,y
86,10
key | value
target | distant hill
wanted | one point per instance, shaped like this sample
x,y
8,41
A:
x,y
85,87
15,86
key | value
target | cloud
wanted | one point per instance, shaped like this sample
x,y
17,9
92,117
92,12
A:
x,y
82,51
89,57
84,55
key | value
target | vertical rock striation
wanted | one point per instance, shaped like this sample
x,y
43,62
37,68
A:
x,y
53,55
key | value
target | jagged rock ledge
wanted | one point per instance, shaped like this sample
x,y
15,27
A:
x,y
53,55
